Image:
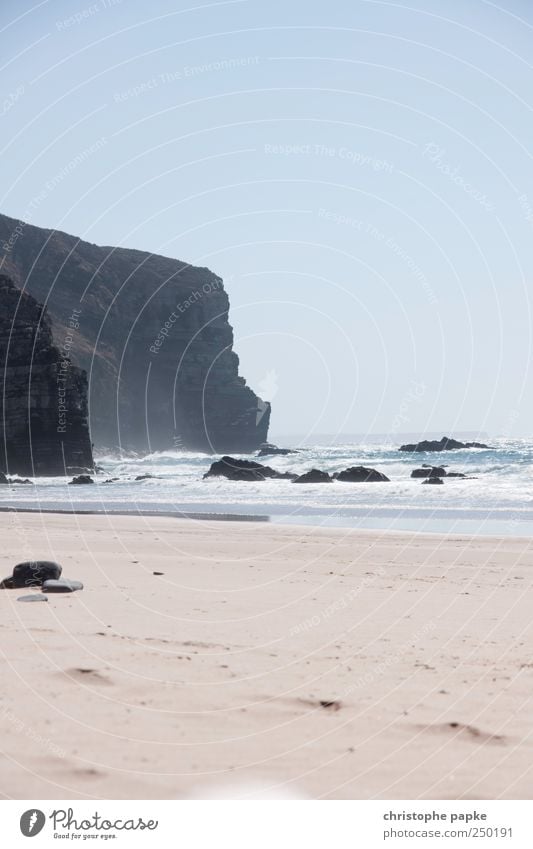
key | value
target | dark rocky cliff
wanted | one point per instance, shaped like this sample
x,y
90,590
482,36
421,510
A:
x,y
43,398
153,335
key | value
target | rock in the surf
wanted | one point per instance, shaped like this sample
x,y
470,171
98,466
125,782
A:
x,y
429,472
444,444
360,474
244,470
82,479
267,449
314,476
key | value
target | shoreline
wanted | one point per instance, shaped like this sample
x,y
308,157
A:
x,y
509,527
331,665
167,514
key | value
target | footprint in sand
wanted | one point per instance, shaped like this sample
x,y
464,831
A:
x,y
467,731
88,772
87,676
331,705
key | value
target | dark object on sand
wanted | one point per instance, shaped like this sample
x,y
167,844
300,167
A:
x,y
33,597
81,479
267,448
244,470
360,474
62,586
7,584
429,472
33,573
158,573
433,480
332,705
314,476
444,444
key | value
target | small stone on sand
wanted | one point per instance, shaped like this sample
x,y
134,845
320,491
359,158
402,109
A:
x,y
33,597
62,586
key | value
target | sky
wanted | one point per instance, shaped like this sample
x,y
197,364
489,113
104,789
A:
x,y
359,172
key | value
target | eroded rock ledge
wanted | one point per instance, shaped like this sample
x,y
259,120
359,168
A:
x,y
43,400
153,335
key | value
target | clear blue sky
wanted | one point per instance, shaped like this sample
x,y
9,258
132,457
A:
x,y
359,172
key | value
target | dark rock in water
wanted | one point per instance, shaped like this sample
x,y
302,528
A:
x,y
456,475
244,470
21,480
43,405
203,404
433,480
444,444
34,597
33,573
267,449
3,479
145,477
314,476
62,586
429,472
82,479
360,474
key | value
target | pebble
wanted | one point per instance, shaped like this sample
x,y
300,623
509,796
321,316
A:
x,y
62,586
34,597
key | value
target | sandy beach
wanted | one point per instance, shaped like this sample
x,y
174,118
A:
x,y
316,663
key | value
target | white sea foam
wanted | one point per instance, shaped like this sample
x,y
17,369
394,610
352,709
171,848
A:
x,y
499,498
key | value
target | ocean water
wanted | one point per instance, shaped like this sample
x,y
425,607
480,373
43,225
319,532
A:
x,y
499,500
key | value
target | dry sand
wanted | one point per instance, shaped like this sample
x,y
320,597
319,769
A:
x,y
322,663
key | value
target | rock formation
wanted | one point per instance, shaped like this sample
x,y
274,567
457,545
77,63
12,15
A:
x,y
235,469
43,400
314,476
153,336
360,474
435,472
444,444
268,450
429,472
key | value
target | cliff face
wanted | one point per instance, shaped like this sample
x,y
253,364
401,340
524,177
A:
x,y
153,335
43,398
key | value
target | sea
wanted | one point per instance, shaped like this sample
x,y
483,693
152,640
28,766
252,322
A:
x,y
497,498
